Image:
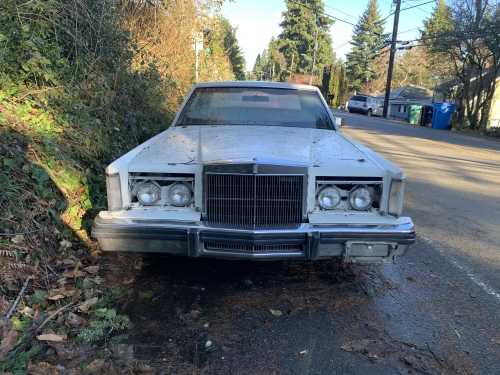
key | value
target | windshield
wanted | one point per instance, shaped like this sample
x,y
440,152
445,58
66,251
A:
x,y
255,106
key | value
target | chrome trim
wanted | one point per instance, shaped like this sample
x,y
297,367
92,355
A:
x,y
171,237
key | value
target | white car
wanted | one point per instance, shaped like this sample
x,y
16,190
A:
x,y
255,170
365,104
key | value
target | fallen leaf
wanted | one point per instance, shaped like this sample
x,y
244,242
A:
x,y
8,342
276,312
74,320
65,244
68,292
69,262
52,337
357,345
74,274
56,297
17,239
86,305
92,269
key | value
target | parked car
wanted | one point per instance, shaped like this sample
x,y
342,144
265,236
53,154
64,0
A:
x,y
365,104
255,170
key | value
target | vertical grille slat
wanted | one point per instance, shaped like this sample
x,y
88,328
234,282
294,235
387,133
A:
x,y
254,200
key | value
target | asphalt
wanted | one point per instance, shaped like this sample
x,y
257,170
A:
x,y
436,311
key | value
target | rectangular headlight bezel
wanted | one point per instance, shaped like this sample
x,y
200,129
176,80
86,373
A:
x,y
396,196
114,192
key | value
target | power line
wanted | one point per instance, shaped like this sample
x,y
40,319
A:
x,y
418,5
410,7
323,13
341,11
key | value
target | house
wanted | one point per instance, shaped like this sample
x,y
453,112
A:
x,y
402,97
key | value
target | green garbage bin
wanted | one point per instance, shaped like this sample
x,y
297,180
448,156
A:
x,y
414,114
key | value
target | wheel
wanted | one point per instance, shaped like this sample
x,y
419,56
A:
x,y
369,113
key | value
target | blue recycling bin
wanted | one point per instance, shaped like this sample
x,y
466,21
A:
x,y
441,116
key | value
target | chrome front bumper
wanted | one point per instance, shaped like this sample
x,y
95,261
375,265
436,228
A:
x,y
354,243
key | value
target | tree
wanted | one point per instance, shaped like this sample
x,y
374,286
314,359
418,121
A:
x,y
367,42
334,85
305,28
233,50
440,22
472,44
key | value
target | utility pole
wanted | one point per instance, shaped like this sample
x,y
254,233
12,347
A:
x,y
391,58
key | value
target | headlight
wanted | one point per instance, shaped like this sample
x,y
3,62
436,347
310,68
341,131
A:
x,y
396,197
329,198
113,192
148,193
179,194
360,198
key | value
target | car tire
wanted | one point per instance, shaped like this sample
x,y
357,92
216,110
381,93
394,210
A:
x,y
369,113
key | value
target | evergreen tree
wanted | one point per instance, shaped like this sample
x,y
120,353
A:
x,y
439,23
334,85
233,50
303,24
367,41
257,68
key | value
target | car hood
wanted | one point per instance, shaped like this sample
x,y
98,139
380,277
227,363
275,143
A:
x,y
264,144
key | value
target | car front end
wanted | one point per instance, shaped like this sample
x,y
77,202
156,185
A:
x,y
226,195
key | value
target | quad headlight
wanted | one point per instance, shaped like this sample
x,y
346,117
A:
x,y
361,198
329,197
148,193
179,194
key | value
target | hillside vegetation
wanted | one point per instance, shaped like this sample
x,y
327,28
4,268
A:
x,y
81,82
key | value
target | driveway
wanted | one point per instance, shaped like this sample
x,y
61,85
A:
x,y
436,311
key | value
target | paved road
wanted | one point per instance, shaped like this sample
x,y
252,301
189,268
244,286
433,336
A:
x,y
437,311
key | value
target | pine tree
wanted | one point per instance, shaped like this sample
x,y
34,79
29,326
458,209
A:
x,y
435,35
233,50
257,68
367,41
439,23
303,24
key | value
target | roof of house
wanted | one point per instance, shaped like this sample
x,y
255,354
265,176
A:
x,y
410,92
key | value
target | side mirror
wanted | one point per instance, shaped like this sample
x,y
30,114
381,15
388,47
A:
x,y
338,122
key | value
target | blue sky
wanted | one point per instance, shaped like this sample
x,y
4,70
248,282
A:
x,y
258,20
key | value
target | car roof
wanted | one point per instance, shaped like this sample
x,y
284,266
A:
x,y
257,84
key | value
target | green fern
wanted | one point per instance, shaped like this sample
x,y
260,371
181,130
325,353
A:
x,y
105,324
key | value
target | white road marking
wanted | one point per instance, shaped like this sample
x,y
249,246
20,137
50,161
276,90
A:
x,y
466,269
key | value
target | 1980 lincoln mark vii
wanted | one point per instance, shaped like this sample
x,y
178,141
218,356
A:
x,y
255,170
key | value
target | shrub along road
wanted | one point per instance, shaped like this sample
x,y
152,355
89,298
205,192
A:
x,y
433,312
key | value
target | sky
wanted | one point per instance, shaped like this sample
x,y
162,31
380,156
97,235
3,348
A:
x,y
258,20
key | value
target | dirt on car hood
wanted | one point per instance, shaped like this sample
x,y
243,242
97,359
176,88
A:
x,y
267,144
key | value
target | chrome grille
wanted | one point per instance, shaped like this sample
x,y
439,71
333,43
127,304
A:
x,y
253,200
242,247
